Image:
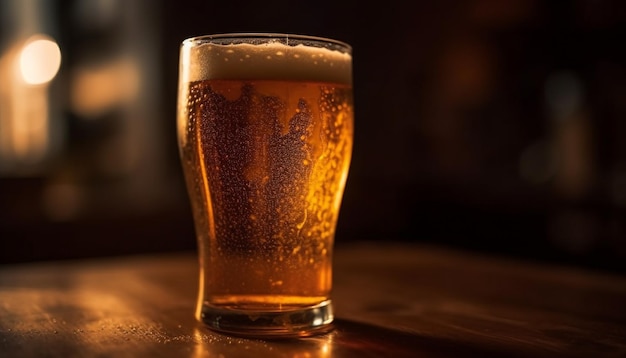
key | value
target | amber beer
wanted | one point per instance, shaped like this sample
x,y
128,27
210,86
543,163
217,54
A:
x,y
265,127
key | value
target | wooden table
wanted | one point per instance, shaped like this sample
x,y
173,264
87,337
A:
x,y
391,300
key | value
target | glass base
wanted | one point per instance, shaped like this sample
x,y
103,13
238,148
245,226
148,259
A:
x,y
288,323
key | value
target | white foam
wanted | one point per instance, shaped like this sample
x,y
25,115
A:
x,y
274,60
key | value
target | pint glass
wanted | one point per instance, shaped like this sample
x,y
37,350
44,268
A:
x,y
265,132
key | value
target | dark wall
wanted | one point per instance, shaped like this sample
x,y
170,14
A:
x,y
487,125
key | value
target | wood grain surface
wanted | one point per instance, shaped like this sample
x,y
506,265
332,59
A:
x,y
392,300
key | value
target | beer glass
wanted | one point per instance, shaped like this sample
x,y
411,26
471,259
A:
x,y
265,132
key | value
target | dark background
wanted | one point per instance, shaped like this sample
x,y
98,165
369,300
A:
x,y
484,125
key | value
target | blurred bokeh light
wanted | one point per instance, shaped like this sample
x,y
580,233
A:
x,y
40,59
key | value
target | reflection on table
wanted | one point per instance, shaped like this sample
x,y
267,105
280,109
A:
x,y
390,301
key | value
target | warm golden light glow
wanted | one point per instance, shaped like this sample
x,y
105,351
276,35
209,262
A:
x,y
26,68
96,89
39,60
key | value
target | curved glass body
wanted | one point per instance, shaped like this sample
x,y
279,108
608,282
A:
x,y
265,130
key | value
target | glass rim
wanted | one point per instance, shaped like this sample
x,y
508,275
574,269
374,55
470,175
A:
x,y
281,37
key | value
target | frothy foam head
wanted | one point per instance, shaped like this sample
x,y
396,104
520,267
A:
x,y
269,61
